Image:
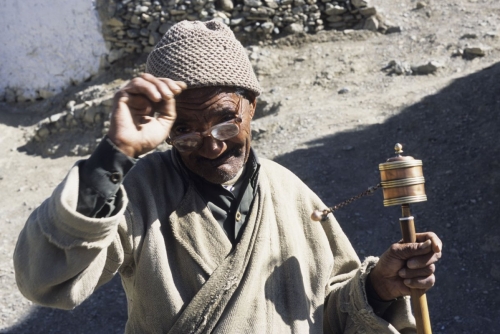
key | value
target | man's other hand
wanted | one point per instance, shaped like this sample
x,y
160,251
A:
x,y
143,114
405,266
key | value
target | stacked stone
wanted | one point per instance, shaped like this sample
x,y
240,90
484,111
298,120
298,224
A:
x,y
135,26
89,116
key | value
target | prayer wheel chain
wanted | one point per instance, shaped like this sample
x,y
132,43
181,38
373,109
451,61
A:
x,y
369,191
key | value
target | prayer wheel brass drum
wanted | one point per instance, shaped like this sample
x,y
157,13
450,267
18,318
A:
x,y
402,179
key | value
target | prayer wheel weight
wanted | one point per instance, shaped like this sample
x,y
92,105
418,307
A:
x,y
402,184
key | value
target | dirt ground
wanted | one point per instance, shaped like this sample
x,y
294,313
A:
x,y
339,113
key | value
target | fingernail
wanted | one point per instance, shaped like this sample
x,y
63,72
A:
x,y
402,272
407,281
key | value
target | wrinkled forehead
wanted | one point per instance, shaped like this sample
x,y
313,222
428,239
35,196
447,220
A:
x,y
206,98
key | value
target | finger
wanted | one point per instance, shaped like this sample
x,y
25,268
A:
x,y
175,86
423,261
420,282
407,251
140,86
421,272
140,104
182,84
167,113
437,244
163,85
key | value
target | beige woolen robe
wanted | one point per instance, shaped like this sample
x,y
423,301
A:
x,y
181,273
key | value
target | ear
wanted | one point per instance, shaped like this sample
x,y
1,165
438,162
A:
x,y
253,105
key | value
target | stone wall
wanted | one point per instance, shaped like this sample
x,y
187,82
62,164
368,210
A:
x,y
135,26
46,50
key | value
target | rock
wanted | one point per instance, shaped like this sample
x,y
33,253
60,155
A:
x,y
266,107
368,11
115,54
421,5
237,21
253,3
46,93
226,5
153,26
428,68
393,30
359,3
43,133
491,34
272,4
371,24
334,18
133,33
71,105
399,68
154,38
114,22
334,9
135,20
344,90
474,52
267,27
294,28
146,17
468,36
56,117
141,9
144,32
257,131
164,27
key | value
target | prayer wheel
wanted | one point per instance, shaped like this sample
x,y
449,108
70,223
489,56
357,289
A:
x,y
403,183
402,179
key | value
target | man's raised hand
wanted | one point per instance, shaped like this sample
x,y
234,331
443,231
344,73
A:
x,y
143,114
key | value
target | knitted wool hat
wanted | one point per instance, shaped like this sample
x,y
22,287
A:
x,y
202,54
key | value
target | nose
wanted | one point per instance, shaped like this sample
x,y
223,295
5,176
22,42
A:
x,y
211,148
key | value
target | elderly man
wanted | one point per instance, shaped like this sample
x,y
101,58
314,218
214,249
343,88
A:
x,y
207,237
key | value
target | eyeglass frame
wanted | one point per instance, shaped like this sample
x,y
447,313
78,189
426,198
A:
x,y
208,133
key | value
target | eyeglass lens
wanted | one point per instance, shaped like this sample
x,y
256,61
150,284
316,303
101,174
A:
x,y
191,141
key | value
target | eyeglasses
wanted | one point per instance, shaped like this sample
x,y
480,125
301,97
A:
x,y
222,131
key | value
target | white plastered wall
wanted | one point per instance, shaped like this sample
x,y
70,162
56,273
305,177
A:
x,y
47,45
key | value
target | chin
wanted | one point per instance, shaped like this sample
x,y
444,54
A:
x,y
218,170
221,173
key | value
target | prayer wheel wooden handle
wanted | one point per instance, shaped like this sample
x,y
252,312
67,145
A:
x,y
403,183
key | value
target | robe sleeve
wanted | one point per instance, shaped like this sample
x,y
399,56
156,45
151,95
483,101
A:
x,y
100,179
346,307
62,256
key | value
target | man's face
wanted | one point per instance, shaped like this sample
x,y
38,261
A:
x,y
200,109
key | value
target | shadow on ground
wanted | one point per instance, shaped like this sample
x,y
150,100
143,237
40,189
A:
x,y
455,133
105,312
